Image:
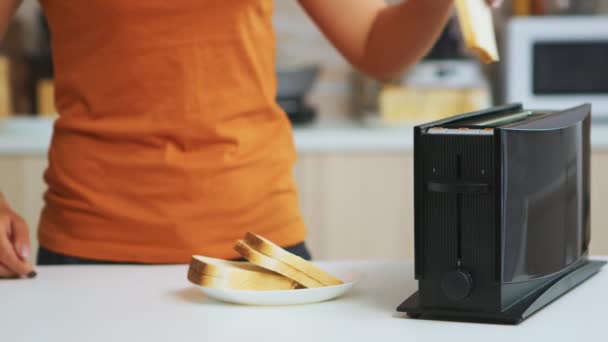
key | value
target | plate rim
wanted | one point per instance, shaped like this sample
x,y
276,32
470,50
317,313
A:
x,y
357,278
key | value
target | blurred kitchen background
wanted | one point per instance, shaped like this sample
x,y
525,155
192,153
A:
x,y
353,134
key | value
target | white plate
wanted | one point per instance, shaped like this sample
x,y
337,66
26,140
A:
x,y
287,297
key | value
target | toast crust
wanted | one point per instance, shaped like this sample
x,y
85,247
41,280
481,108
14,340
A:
x,y
270,249
240,284
211,272
275,265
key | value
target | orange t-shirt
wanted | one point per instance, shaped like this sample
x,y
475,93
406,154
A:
x,y
169,141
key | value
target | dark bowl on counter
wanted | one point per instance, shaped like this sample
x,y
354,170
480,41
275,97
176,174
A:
x,y
294,84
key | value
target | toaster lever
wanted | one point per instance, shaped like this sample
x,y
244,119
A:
x,y
458,186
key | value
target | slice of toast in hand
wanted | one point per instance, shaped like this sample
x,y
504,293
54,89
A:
x,y
477,26
275,265
211,272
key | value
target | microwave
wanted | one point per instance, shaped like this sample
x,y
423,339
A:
x,y
558,62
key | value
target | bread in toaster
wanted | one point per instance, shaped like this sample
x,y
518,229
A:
x,y
211,272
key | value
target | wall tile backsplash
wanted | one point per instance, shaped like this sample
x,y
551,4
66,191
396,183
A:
x,y
299,42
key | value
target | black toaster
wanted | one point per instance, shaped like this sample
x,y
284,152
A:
x,y
501,213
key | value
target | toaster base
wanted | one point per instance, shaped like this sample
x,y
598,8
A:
x,y
515,313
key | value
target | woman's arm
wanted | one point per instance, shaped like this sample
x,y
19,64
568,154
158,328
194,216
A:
x,y
7,10
379,39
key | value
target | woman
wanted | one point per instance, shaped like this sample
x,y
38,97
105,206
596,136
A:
x,y
169,141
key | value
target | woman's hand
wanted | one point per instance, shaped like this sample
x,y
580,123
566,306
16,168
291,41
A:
x,y
494,3
14,244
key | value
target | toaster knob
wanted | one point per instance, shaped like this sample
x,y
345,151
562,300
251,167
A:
x,y
457,285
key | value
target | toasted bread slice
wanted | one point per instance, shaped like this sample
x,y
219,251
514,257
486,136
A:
x,y
240,284
270,249
477,26
224,268
275,265
205,271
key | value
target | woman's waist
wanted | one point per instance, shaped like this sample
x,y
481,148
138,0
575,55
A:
x,y
134,139
173,203
145,167
136,188
153,120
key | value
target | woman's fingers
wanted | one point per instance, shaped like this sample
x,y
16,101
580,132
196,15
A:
x,y
494,3
8,256
10,260
14,244
5,272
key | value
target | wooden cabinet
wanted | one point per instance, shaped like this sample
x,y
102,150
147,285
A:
x,y
356,205
21,182
599,203
361,205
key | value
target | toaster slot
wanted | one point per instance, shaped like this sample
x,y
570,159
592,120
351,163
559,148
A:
x,y
483,124
461,131
498,120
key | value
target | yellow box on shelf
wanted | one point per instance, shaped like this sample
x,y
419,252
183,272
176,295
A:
x,y
414,105
5,88
46,98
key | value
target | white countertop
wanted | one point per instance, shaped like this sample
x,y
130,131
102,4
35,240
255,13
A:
x,y
156,303
25,136
31,136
